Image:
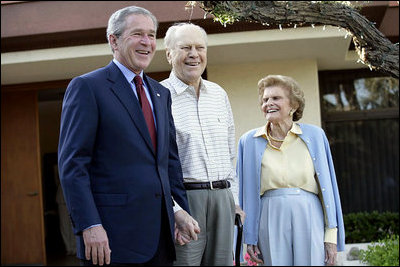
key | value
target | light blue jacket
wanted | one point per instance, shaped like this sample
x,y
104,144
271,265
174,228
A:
x,y
248,168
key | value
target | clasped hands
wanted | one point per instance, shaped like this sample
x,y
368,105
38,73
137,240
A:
x,y
186,228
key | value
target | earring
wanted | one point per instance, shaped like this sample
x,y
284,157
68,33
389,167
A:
x,y
291,112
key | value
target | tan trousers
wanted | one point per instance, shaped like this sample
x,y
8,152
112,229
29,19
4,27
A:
x,y
214,210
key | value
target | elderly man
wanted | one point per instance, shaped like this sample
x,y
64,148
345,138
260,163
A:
x,y
205,136
118,159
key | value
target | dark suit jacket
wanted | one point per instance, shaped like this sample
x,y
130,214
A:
x,y
109,171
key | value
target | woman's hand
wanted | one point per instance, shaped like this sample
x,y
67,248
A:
x,y
253,251
330,253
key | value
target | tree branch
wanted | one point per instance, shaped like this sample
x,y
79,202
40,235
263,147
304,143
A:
x,y
373,48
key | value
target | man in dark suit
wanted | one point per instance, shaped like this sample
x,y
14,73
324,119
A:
x,y
118,160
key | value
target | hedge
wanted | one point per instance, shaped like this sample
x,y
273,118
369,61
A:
x,y
364,227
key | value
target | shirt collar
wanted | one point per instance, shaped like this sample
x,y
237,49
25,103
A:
x,y
129,75
296,128
180,86
262,131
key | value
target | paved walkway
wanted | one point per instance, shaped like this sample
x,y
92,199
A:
x,y
344,258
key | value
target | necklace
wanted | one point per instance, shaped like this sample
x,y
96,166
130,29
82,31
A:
x,y
274,139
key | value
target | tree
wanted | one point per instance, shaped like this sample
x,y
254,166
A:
x,y
373,48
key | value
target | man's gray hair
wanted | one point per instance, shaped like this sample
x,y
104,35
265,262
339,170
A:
x,y
169,39
117,21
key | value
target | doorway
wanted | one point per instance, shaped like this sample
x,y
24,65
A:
x,y
59,239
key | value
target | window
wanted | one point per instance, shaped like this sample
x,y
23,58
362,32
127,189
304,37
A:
x,y
360,111
363,94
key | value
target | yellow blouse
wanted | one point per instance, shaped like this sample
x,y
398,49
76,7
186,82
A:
x,y
290,166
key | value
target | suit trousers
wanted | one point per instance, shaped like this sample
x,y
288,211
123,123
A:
x,y
291,228
214,210
164,255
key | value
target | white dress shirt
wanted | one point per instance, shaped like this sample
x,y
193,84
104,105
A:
x,y
205,132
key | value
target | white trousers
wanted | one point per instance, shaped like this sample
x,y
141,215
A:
x,y
291,228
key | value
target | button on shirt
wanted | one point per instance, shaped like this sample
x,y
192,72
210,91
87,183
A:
x,y
205,132
290,166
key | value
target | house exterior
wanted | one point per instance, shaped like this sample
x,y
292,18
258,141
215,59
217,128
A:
x,y
44,44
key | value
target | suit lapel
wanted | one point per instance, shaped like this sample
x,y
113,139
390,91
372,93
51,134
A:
x,y
124,93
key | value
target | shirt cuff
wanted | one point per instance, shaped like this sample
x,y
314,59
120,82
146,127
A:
x,y
330,235
92,226
176,207
236,199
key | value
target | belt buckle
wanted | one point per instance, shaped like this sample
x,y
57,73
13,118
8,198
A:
x,y
211,185
226,183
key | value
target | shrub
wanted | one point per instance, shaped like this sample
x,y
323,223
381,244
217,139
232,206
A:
x,y
383,253
364,227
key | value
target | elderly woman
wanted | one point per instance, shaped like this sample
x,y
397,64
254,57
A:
x,y
288,186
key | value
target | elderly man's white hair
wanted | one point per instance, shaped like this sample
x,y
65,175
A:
x,y
169,39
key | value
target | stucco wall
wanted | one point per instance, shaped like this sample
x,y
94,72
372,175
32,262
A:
x,y
240,82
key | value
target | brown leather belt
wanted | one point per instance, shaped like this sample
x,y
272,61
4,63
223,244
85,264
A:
x,y
221,184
